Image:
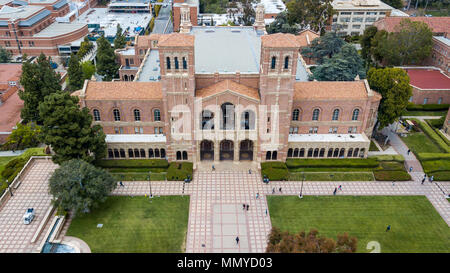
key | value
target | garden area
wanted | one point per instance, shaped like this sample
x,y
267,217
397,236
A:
x,y
140,169
415,224
431,148
426,110
382,168
135,224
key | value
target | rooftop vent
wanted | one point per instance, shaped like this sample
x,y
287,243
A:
x,y
209,30
236,31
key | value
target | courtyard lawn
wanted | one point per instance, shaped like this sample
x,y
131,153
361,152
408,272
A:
x,y
134,224
415,224
424,113
420,143
332,176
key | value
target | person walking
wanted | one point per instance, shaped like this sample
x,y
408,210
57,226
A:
x,y
423,180
266,212
279,189
335,190
213,168
388,228
257,195
249,171
243,206
237,240
121,184
410,169
273,190
409,151
340,187
432,178
247,207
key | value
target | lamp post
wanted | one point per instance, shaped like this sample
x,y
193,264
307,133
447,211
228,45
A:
x,y
9,189
301,189
150,183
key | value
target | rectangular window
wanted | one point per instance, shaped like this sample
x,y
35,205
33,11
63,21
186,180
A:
x,y
371,20
131,61
344,19
346,13
356,26
156,130
291,130
357,19
313,130
160,130
382,13
354,130
335,130
371,13
425,100
350,129
138,130
359,13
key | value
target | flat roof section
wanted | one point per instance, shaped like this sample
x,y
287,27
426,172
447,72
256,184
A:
x,y
226,50
151,70
135,138
57,29
7,12
428,79
442,39
328,138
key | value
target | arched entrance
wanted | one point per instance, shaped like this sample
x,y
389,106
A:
x,y
226,150
246,150
206,150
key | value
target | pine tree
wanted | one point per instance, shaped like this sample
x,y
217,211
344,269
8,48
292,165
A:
x,y
119,41
106,60
76,77
5,55
67,128
38,80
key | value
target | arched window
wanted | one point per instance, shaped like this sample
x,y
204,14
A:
x,y
315,115
355,114
350,152
178,155
150,153
335,114
274,62
156,115
268,155
157,153
136,152
137,115
274,155
330,152
130,153
316,152
302,153
116,114
227,116
110,153
295,152
207,120
310,152
362,152
355,153
142,152
322,152
122,153
248,120
184,63
96,115
342,152
295,114
185,155
116,153
176,63
286,62
168,62
336,152
163,153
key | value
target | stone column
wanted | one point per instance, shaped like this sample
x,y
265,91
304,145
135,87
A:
x,y
236,151
216,150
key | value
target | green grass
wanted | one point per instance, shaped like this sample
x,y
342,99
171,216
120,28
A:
x,y
420,143
332,176
424,113
134,224
373,147
138,176
439,13
3,161
415,224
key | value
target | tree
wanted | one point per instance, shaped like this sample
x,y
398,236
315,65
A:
x,y
120,40
5,55
106,60
38,80
313,14
85,47
78,186
393,85
280,24
324,46
88,69
248,16
311,242
24,136
394,3
76,77
410,43
343,66
68,129
366,44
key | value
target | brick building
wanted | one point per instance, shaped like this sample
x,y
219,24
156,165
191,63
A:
x,y
430,85
228,93
10,103
446,127
31,29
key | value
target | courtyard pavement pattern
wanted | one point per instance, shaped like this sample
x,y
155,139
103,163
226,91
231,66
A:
x,y
15,236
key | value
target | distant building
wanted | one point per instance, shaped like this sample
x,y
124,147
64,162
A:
x,y
430,85
354,16
194,10
130,6
10,103
446,127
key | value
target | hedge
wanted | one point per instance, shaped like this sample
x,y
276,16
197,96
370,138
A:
x,y
431,166
436,123
397,158
431,134
432,156
332,163
178,171
152,24
391,176
441,176
275,171
444,138
132,163
13,167
426,107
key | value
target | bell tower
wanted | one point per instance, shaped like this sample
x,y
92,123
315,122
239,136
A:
x,y
259,20
185,24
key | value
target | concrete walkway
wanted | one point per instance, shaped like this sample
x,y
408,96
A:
x,y
11,153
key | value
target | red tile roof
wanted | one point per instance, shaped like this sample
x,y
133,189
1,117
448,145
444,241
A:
x,y
122,90
176,40
10,112
279,40
428,79
10,72
228,85
437,24
330,90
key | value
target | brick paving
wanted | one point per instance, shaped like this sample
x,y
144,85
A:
x,y
15,236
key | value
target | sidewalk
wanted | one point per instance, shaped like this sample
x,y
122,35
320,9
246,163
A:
x,y
11,153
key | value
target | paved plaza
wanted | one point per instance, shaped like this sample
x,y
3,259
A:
x,y
15,236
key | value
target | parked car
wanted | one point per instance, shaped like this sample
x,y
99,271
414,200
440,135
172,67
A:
x,y
28,216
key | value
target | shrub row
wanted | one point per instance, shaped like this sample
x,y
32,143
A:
x,y
332,163
178,171
275,171
433,156
435,137
426,107
132,163
391,176
441,176
439,165
436,123
397,158
13,167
